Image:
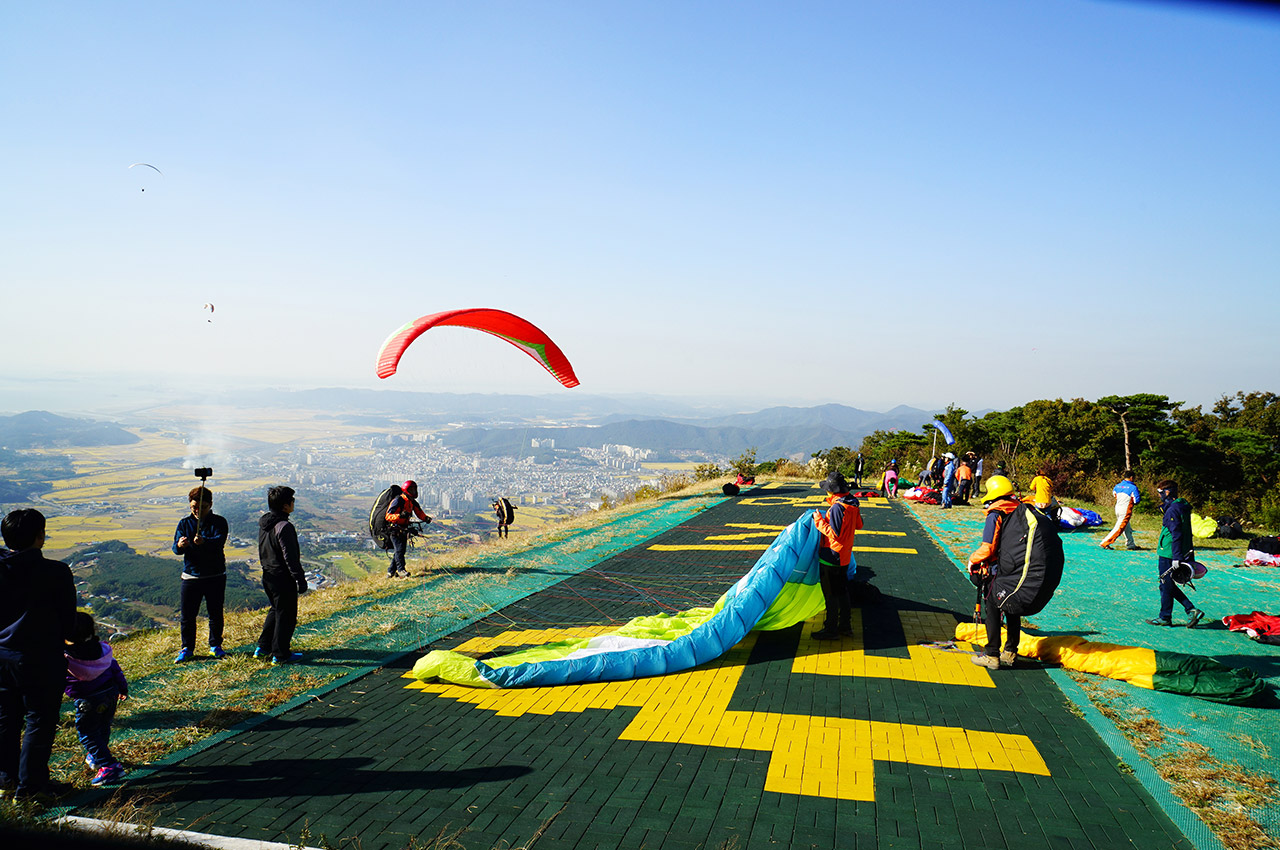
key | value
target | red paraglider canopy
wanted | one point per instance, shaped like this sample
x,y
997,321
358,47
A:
x,y
515,330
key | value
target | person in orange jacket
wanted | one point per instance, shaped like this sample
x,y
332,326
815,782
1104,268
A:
x,y
400,512
838,526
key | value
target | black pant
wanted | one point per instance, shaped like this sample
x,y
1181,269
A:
x,y
30,699
1013,626
212,590
282,619
835,592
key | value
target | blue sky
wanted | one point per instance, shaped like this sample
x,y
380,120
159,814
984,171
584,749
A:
x,y
864,203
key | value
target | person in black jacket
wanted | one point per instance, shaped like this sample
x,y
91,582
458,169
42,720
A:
x,y
199,539
282,577
37,616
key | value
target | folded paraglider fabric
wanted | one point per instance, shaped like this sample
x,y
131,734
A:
x,y
1203,527
1172,672
1254,625
781,590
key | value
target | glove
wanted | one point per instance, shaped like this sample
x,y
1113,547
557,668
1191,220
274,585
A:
x,y
428,520
302,586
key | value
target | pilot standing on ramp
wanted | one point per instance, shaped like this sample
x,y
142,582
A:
x,y
838,526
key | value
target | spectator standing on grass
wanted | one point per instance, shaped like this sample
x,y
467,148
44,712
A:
x,y
1173,549
859,463
964,479
977,477
948,479
282,577
199,539
95,684
1127,498
835,553
37,615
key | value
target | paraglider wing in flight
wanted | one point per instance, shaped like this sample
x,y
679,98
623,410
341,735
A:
x,y
208,307
515,330
148,165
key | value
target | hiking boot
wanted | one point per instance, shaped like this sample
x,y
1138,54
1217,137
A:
x,y
217,652
991,662
1159,621
291,658
259,652
110,773
1194,616
846,631
184,656
1008,659
826,634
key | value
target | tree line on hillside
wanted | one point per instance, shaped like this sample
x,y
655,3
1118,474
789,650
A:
x,y
1227,459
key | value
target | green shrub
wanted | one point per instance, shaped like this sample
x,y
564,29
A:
x,y
707,472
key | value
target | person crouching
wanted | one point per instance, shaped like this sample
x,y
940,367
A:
x,y
95,683
835,551
999,501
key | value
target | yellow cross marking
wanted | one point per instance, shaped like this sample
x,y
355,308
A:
x,y
814,501
760,547
747,535
809,755
846,657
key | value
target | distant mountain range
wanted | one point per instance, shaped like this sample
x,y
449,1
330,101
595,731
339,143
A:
x,y
39,429
795,432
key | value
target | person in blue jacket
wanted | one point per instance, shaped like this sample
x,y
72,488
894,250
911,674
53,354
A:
x,y
1173,549
1127,498
199,539
948,479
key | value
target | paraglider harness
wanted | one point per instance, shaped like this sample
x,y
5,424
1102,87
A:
x,y
382,531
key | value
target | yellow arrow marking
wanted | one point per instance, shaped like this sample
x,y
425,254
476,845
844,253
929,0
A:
x,y
809,755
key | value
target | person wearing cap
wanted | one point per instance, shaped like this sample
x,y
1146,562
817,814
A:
x,y
948,479
999,501
400,513
1173,549
838,526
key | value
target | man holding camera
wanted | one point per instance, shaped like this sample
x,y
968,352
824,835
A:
x,y
199,539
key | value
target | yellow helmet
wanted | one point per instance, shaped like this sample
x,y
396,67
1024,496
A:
x,y
997,487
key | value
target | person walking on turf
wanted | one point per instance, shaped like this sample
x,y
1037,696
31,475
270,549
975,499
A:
x,y
1127,498
1173,549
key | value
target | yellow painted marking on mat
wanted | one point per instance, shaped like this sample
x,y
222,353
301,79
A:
x,y
759,547
809,755
747,535
818,500
846,656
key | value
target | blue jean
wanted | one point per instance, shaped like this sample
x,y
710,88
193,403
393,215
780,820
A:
x,y
946,494
30,699
94,714
399,545
1169,591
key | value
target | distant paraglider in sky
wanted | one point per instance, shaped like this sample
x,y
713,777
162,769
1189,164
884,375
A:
x,y
147,165
515,330
208,307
